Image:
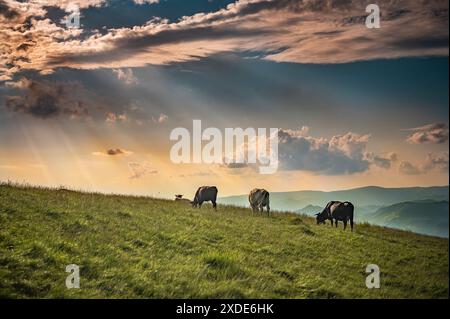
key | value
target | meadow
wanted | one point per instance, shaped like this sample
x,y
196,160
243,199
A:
x,y
140,247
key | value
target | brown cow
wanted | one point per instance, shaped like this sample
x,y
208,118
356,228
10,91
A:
x,y
259,198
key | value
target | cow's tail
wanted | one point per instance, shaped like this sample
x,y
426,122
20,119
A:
x,y
266,197
352,211
196,196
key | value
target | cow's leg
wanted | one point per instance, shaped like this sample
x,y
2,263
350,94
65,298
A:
x,y
345,224
215,205
268,210
351,223
336,222
200,204
331,222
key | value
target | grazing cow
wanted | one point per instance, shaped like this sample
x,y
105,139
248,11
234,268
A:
x,y
205,194
259,198
339,211
179,198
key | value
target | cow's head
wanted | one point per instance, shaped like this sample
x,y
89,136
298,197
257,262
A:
x,y
321,217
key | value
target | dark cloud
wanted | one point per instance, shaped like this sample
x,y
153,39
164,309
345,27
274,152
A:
x,y
381,162
435,133
24,46
113,152
125,47
236,165
421,42
299,31
46,100
7,12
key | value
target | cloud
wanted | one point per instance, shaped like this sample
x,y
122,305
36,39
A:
x,y
6,11
199,174
339,155
235,165
436,133
319,31
57,99
113,152
342,154
140,2
407,168
381,162
112,117
43,99
139,170
126,76
162,118
431,162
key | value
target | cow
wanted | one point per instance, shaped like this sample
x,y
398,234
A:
x,y
205,194
339,211
259,198
180,199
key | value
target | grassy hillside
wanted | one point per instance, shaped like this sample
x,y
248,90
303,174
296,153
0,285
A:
x,y
428,217
136,247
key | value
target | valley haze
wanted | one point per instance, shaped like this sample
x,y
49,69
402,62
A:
x,y
426,207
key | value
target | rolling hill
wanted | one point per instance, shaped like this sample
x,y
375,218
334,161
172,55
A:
x,y
310,210
375,205
426,217
365,196
140,247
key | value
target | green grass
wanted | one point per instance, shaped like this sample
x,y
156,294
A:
x,y
137,247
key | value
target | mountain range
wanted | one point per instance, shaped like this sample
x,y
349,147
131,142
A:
x,y
418,209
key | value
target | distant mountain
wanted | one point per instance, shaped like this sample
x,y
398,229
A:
x,y
310,210
371,196
425,217
364,213
418,209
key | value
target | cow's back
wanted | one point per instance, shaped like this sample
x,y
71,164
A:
x,y
206,193
342,210
258,197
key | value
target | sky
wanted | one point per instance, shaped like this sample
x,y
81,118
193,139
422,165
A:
x,y
93,107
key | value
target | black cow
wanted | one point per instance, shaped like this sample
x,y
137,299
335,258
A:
x,y
205,194
339,211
